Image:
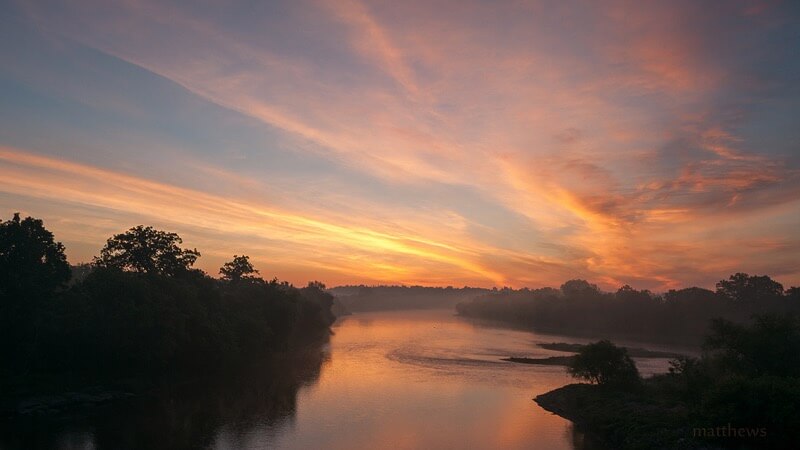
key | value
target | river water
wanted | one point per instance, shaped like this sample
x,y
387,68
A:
x,y
395,380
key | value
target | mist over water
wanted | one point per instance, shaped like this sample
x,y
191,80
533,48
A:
x,y
405,379
427,380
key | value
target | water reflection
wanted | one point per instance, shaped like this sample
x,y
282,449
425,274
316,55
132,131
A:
x,y
386,380
201,413
581,440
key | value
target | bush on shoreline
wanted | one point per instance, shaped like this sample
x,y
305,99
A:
x,y
604,363
743,392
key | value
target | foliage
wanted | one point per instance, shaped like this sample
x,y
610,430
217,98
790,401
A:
x,y
147,250
142,309
604,363
743,392
318,303
579,288
742,287
33,268
770,346
238,269
688,378
768,402
30,258
748,377
683,315
621,419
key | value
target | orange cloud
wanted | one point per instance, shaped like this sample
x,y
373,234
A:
x,y
23,174
607,138
372,40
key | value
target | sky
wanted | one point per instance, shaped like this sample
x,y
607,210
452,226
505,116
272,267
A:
x,y
512,143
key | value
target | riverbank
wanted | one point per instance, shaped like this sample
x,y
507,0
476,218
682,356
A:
x,y
624,420
743,392
550,361
635,352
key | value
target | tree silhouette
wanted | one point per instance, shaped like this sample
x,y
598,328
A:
x,y
238,269
769,346
742,287
318,285
631,295
604,363
31,261
109,320
147,250
579,289
32,267
319,303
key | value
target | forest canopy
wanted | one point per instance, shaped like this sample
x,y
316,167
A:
x,y
682,315
140,308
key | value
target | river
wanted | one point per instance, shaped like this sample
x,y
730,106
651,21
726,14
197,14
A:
x,y
396,380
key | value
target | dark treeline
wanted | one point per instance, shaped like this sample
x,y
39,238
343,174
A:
x,y
676,316
384,298
140,308
743,392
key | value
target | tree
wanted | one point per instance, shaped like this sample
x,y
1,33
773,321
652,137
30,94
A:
x,y
767,347
742,287
317,304
31,261
147,250
690,296
32,267
318,285
631,295
579,289
753,377
604,363
239,269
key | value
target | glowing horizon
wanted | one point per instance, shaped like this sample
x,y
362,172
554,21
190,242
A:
x,y
514,144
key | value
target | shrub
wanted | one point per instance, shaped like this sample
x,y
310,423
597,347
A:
x,y
606,364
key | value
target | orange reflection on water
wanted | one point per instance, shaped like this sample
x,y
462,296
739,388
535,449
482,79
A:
x,y
427,380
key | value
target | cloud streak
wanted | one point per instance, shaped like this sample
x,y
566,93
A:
x,y
619,142
22,173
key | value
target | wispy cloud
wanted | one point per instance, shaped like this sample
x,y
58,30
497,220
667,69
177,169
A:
x,y
626,137
372,40
23,172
